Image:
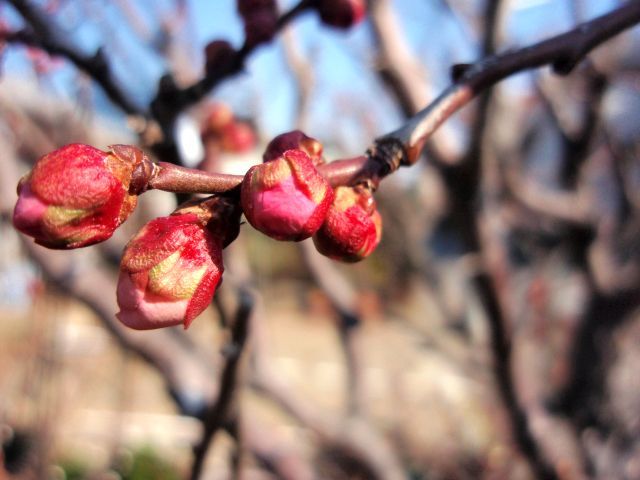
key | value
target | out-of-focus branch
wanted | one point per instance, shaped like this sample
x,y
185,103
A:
x,y
303,74
353,435
577,142
562,52
482,235
220,410
47,35
169,103
570,207
405,75
342,297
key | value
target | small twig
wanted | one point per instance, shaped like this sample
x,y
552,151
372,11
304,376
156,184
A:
x,y
219,411
563,52
48,36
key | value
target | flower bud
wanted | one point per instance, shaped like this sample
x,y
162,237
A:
x,y
237,137
78,195
353,227
218,116
260,26
246,7
342,13
295,140
169,272
286,198
217,53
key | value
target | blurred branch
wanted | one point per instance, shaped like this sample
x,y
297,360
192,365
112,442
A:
x,y
353,435
342,296
464,182
576,143
333,283
562,52
403,73
219,411
47,35
570,207
169,103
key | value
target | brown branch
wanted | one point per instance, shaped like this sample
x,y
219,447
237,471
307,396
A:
x,y
218,413
352,435
173,178
464,183
562,52
46,35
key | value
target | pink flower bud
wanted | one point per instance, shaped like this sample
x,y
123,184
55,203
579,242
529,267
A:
x,y
295,140
169,272
342,13
78,195
353,227
286,198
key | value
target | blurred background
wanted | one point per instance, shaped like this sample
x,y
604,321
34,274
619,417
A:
x,y
492,335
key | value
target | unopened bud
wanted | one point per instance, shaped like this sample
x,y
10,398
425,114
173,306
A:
x,y
295,140
237,137
342,13
286,198
169,272
78,195
218,53
353,227
260,26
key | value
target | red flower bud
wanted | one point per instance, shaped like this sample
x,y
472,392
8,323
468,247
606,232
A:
x,y
286,198
342,13
237,137
78,195
260,26
353,227
295,140
217,53
169,272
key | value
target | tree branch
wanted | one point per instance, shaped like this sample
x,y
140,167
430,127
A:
x,y
48,36
563,52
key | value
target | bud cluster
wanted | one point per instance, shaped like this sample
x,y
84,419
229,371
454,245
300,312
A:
x,y
78,195
287,198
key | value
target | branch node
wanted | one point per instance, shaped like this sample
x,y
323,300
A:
x,y
389,154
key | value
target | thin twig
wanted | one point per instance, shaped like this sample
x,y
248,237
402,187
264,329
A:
x,y
219,411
